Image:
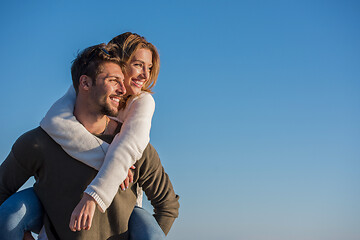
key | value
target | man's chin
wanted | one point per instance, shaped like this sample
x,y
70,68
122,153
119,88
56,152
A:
x,y
110,112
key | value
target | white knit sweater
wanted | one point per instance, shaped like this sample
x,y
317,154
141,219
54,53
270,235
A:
x,y
113,161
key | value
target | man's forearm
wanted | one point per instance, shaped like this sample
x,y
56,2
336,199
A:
x,y
159,190
12,177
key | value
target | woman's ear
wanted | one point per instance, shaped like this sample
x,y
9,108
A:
x,y
85,82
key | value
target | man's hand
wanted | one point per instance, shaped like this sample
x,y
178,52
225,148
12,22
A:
x,y
81,217
128,180
28,236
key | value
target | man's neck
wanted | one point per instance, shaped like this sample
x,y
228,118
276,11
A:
x,y
93,121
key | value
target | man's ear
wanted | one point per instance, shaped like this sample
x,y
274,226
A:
x,y
85,82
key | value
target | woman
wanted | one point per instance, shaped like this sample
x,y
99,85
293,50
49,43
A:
x,y
142,67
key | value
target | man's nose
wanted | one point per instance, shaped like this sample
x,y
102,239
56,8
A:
x,y
121,90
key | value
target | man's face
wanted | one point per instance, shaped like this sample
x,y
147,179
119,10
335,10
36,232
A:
x,y
108,90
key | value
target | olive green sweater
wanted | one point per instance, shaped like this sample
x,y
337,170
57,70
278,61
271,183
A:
x,y
61,181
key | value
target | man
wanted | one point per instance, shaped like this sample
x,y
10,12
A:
x,y
61,180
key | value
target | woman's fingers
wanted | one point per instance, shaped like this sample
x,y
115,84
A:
x,y
129,179
78,224
81,217
131,175
126,182
72,223
89,221
75,219
83,225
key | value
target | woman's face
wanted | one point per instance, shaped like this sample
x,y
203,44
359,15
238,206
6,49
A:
x,y
138,71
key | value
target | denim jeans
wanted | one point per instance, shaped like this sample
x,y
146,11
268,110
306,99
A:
x,y
143,226
19,213
23,212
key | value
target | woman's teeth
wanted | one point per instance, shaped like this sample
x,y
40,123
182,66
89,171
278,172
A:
x,y
138,83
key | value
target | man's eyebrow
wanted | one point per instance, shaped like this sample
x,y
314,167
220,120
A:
x,y
113,76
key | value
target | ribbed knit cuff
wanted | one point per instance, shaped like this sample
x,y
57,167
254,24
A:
x,y
97,198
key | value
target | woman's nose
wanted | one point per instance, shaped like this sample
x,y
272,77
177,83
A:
x,y
145,73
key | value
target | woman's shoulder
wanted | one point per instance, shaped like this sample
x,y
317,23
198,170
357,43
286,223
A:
x,y
145,95
144,103
143,98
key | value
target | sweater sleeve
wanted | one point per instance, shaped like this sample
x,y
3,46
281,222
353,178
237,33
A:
x,y
158,189
63,127
23,162
126,148
12,177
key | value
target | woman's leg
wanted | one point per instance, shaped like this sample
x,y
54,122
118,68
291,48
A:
x,y
143,226
19,213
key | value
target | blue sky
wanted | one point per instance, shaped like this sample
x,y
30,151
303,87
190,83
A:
x,y
257,104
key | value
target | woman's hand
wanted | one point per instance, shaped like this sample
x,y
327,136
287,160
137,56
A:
x,y
81,217
128,180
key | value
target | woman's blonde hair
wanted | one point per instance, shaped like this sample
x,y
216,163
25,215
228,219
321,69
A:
x,y
127,44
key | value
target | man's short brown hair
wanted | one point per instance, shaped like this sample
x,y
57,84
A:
x,y
89,62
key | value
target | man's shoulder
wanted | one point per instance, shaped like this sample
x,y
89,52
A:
x,y
31,139
149,150
150,158
35,134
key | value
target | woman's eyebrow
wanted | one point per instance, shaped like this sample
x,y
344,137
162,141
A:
x,y
138,60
